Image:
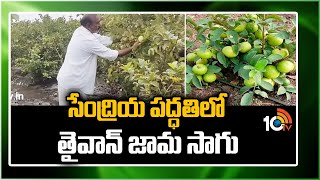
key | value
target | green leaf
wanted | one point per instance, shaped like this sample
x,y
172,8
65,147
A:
x,y
235,48
235,61
215,35
247,99
255,59
261,64
257,91
213,69
279,80
214,62
203,21
222,59
232,36
265,85
202,38
217,45
257,77
249,55
210,24
291,89
261,93
288,96
200,35
264,94
189,44
189,69
281,90
196,59
267,52
257,43
200,79
248,67
282,35
282,75
291,47
189,78
228,63
191,22
236,68
274,57
244,73
275,17
188,88
244,33
272,27
232,23
244,89
287,41
251,37
203,48
196,82
269,21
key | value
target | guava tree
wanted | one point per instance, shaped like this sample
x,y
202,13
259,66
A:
x,y
155,68
38,47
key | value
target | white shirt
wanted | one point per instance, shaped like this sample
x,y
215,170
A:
x,y
80,64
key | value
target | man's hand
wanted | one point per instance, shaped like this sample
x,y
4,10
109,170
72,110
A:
x,y
136,45
126,51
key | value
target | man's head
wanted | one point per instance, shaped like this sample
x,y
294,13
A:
x,y
91,22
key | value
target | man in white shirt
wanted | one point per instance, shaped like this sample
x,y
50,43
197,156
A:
x,y
78,71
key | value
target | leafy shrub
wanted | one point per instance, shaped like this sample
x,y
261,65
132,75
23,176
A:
x,y
38,47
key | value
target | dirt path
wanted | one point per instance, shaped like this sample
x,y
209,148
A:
x,y
34,95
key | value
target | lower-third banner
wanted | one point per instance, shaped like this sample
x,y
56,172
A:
x,y
152,134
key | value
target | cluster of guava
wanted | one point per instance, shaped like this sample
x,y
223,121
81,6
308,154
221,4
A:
x,y
201,59
271,71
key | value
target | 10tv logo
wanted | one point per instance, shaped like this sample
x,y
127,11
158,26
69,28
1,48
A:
x,y
282,121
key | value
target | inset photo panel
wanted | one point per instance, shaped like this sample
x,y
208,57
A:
x,y
97,54
251,56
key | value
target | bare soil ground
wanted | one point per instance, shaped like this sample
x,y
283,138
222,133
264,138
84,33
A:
x,y
46,94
